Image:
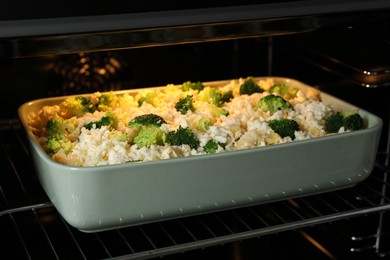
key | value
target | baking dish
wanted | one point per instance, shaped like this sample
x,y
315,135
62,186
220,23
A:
x,y
100,198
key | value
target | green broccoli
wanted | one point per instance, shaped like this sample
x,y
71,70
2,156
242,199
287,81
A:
x,y
145,120
353,121
203,124
192,85
227,96
58,130
217,111
284,127
58,125
76,106
54,125
184,136
334,122
348,120
249,87
147,97
216,97
213,96
57,142
104,121
292,92
279,88
273,103
149,129
185,104
283,90
212,146
105,100
124,137
150,135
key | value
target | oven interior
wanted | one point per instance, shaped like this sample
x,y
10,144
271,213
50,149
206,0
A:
x,y
349,60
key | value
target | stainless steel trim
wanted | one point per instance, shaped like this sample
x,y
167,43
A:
x,y
161,36
130,21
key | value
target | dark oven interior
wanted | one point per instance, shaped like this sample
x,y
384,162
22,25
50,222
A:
x,y
345,53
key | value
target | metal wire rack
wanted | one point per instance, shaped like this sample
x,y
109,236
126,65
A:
x,y
31,228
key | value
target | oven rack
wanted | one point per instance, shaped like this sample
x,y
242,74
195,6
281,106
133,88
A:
x,y
31,228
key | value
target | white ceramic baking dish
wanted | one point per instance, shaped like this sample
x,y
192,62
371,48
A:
x,y
106,197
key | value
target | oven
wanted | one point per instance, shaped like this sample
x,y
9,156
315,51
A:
x,y
55,49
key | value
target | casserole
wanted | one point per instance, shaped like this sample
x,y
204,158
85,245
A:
x,y
105,197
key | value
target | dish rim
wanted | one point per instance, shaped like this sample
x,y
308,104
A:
x,y
23,110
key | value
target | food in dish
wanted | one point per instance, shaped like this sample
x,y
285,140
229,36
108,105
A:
x,y
183,120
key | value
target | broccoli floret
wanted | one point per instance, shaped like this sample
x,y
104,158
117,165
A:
x,y
105,100
145,120
57,142
192,85
292,93
213,98
58,125
249,87
216,97
227,96
58,130
273,103
124,137
149,129
141,100
104,121
54,125
217,111
348,120
353,121
185,104
76,106
184,136
280,89
283,90
211,146
203,124
334,122
147,97
150,135
284,127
